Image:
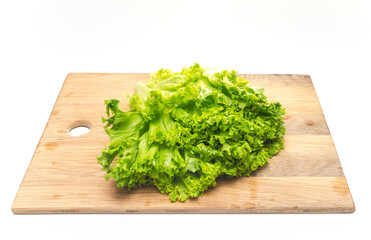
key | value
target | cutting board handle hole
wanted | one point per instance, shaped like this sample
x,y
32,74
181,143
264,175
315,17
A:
x,y
79,128
78,131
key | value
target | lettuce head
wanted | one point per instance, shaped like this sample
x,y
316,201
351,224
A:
x,y
185,129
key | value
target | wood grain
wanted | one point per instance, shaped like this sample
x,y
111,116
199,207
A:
x,y
63,176
243,195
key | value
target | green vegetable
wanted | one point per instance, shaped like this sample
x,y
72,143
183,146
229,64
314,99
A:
x,y
185,129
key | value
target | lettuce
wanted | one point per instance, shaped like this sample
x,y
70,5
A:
x,y
187,128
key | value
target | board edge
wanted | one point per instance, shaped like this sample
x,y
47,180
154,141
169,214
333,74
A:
x,y
14,208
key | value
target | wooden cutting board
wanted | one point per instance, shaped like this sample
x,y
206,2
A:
x,y
64,176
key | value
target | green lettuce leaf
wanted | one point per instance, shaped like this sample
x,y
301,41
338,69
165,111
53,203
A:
x,y
185,129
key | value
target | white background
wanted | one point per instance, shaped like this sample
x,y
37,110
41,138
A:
x,y
42,41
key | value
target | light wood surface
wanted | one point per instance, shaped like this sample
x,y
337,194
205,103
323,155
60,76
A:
x,y
64,177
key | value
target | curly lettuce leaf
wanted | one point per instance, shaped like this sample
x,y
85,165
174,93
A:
x,y
187,128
